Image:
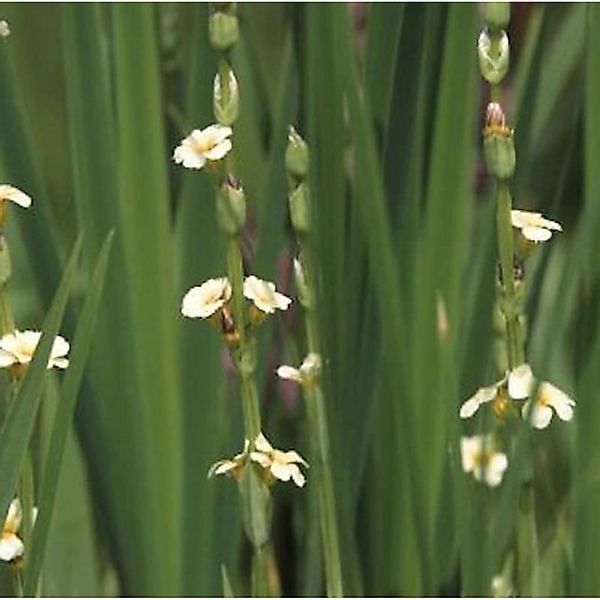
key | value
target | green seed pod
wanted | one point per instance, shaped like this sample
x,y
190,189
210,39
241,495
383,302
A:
x,y
496,15
223,30
231,207
296,155
300,209
226,102
494,55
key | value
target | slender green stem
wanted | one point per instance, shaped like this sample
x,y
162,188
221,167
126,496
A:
x,y
7,323
244,354
514,340
317,417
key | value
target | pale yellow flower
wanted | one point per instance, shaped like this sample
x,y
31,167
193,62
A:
x,y
17,348
211,143
281,465
533,225
479,457
264,295
205,300
306,374
11,545
549,398
13,194
231,466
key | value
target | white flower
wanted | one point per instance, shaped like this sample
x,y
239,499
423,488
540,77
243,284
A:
x,y
205,300
306,374
549,397
212,143
4,29
533,225
11,546
281,465
264,296
13,194
521,384
231,466
17,348
479,457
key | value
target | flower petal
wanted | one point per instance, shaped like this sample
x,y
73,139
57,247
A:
x,y
557,399
470,448
6,359
287,372
11,547
262,444
520,382
291,456
495,468
262,459
481,396
9,192
536,234
219,151
540,416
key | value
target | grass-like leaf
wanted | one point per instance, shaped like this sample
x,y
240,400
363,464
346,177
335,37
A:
x,y
64,417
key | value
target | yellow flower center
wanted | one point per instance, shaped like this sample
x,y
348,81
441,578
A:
x,y
500,405
204,145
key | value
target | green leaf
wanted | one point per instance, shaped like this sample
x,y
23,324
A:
x,y
227,589
64,416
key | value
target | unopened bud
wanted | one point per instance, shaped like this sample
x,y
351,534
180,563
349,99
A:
x,y
226,99
231,206
494,55
301,285
300,209
498,143
5,269
296,155
496,15
223,30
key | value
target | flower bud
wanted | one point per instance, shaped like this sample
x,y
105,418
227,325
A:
x,y
300,209
494,55
498,143
5,269
226,99
223,31
296,155
231,206
301,284
496,15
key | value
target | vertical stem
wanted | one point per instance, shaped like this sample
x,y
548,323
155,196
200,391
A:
x,y
317,417
244,355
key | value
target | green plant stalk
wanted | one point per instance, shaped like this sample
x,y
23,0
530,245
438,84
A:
x,y
244,353
317,420
514,340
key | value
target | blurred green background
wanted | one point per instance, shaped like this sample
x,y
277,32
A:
x,y
93,99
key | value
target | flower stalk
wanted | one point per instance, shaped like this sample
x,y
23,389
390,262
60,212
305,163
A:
x,y
297,162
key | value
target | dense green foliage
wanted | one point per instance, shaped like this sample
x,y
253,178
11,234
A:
x,y
388,96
